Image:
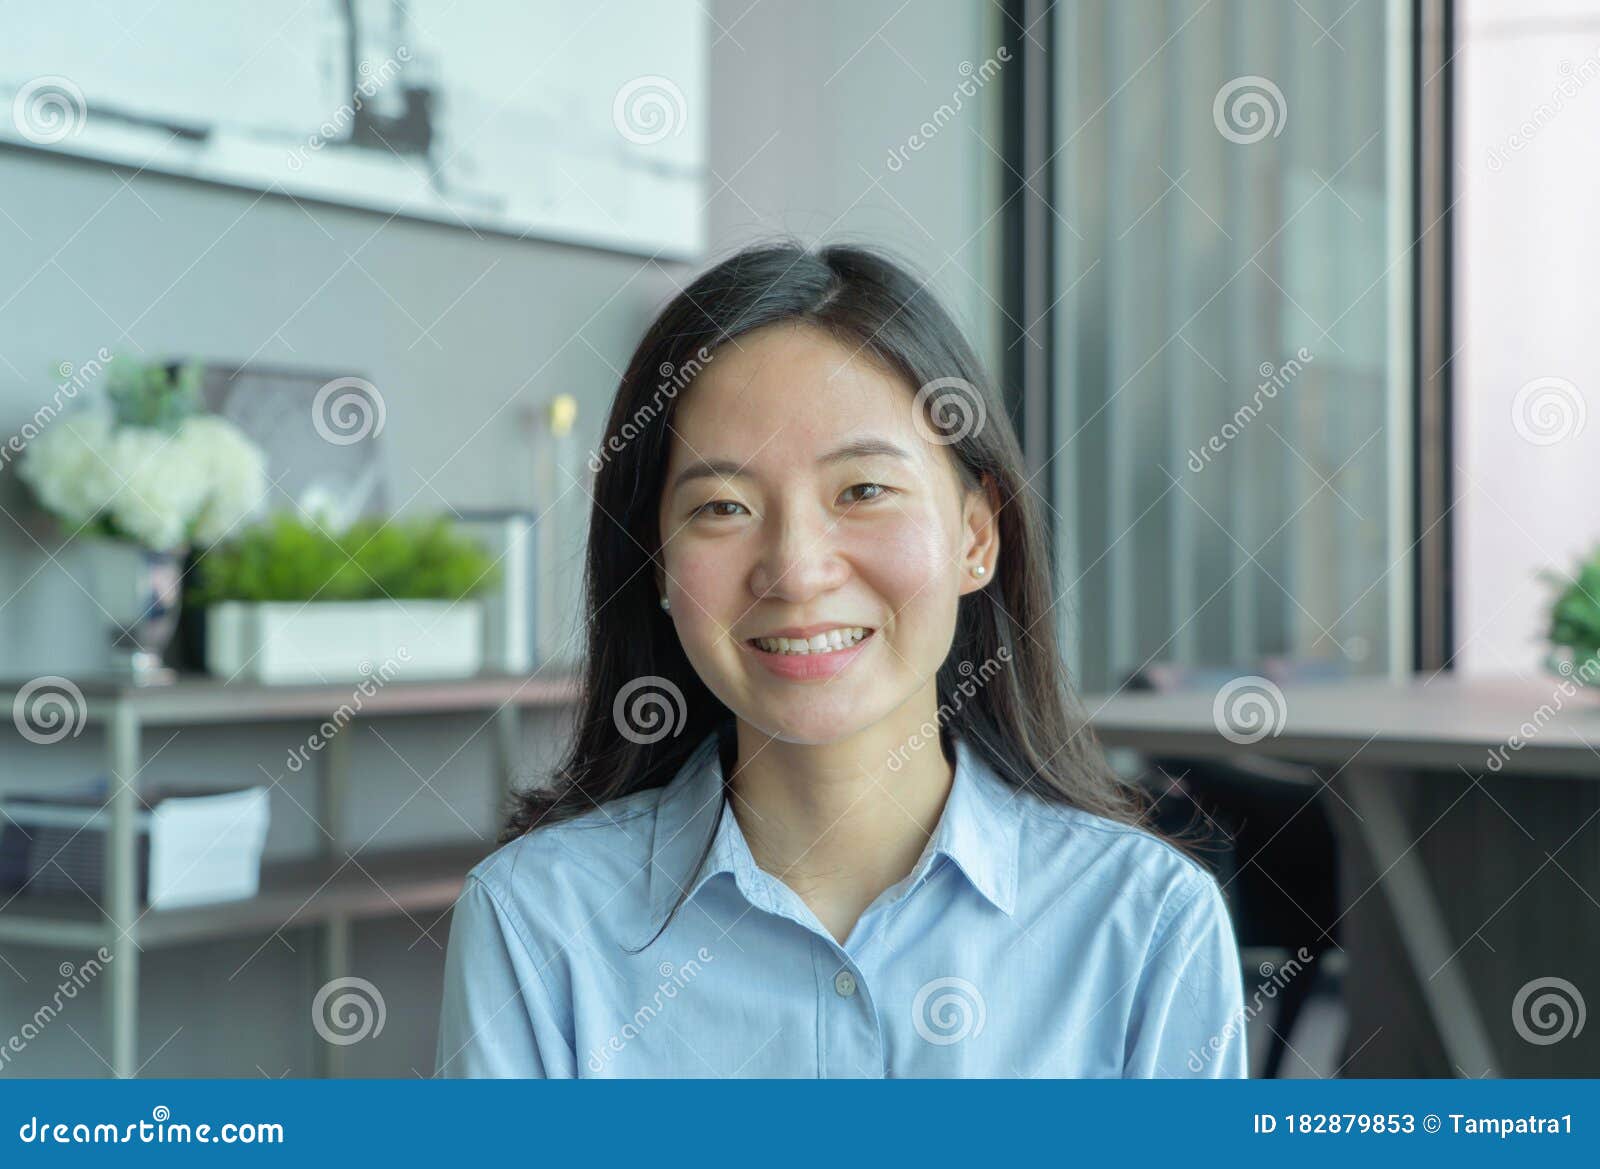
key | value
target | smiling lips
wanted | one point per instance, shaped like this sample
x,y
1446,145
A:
x,y
837,638
822,655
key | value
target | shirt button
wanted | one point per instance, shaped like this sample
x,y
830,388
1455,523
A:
x,y
845,983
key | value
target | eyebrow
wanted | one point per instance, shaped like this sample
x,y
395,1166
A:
x,y
860,448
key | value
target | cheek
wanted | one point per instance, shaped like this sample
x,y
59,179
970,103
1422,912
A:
x,y
712,576
904,558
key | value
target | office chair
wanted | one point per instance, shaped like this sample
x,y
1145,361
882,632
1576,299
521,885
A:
x,y
1261,827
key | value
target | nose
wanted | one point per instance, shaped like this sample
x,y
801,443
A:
x,y
799,556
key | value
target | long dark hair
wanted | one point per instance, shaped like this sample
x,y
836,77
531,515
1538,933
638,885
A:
x,y
1025,720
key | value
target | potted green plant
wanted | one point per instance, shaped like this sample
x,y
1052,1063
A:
x,y
289,600
1575,622
138,479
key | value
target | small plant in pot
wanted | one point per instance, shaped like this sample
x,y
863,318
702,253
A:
x,y
288,600
1575,622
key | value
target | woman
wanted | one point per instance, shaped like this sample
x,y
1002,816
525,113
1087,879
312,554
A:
x,y
830,809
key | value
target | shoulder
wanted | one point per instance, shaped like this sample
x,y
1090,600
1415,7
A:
x,y
574,876
1133,876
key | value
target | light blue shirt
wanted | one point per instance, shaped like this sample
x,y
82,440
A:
x,y
1029,939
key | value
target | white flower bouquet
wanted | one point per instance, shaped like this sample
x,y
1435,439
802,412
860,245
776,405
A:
x,y
148,468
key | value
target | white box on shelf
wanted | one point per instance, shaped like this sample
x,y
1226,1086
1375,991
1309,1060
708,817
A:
x,y
193,848
343,641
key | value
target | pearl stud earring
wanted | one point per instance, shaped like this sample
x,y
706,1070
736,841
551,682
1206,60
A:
x,y
978,570
665,604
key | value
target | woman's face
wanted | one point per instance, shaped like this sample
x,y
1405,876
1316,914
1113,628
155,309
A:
x,y
793,532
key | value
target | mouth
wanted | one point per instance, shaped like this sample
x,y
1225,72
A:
x,y
839,640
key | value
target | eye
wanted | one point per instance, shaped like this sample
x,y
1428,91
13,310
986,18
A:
x,y
714,503
883,491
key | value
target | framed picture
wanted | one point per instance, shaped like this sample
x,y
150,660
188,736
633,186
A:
x,y
561,119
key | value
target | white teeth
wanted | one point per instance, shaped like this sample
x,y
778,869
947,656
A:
x,y
842,638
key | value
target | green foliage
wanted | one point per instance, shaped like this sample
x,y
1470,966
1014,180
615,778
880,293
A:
x,y
157,396
1575,616
286,559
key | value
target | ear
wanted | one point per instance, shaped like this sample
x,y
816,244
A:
x,y
981,533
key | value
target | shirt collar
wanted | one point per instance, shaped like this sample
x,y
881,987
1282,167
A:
x,y
979,829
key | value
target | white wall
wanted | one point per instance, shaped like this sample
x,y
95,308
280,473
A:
x,y
1528,249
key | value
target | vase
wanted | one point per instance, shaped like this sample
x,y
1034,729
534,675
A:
x,y
136,592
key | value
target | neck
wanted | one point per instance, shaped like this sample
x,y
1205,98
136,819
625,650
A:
x,y
834,821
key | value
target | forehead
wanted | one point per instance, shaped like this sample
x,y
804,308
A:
x,y
791,384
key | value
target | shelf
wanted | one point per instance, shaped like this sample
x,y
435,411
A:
x,y
294,895
199,698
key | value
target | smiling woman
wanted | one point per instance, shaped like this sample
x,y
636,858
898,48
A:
x,y
814,561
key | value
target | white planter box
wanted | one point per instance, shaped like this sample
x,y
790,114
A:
x,y
343,641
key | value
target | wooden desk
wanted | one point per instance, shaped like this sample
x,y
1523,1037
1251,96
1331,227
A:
x,y
1368,740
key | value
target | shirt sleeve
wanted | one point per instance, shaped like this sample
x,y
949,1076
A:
x,y
1188,1012
496,1019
